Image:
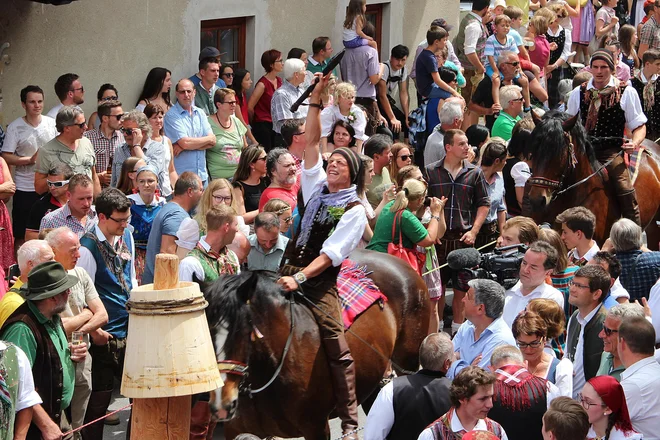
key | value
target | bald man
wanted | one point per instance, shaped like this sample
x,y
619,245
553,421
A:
x,y
189,129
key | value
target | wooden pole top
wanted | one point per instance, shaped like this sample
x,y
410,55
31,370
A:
x,y
166,272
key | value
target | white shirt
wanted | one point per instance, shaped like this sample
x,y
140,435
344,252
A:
x,y
520,173
563,377
52,113
349,230
615,434
88,263
515,302
618,291
472,33
381,415
578,365
24,140
629,103
654,304
355,118
393,87
457,426
27,396
573,253
642,389
435,147
566,50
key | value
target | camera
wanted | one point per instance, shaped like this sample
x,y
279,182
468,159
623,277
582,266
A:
x,y
502,265
427,201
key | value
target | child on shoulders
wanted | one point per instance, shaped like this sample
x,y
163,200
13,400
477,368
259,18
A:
x,y
353,35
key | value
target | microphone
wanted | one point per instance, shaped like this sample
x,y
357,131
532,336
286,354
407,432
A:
x,y
463,258
326,70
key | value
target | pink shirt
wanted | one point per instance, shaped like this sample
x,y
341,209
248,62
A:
x,y
541,52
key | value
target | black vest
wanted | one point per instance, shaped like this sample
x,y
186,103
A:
x,y
418,400
560,40
611,122
593,345
653,116
510,188
520,425
47,369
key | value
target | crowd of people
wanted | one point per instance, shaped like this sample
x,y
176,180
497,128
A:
x,y
229,176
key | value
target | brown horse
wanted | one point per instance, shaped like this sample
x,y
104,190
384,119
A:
x,y
564,175
299,401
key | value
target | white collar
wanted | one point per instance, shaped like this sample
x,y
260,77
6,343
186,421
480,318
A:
x,y
590,84
639,365
313,61
644,79
589,316
138,200
476,16
457,426
204,244
559,29
102,237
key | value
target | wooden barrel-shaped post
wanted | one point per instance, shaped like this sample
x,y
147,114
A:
x,y
166,418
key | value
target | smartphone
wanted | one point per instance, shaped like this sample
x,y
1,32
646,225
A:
x,y
13,271
427,202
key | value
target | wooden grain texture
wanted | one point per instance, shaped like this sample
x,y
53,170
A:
x,y
166,418
166,272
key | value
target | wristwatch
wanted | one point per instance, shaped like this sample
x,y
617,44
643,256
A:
x,y
299,277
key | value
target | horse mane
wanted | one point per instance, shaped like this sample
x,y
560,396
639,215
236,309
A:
x,y
228,300
549,145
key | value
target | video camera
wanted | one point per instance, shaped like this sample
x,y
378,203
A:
x,y
502,265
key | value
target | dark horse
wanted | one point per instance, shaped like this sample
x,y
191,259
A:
x,y
563,156
300,400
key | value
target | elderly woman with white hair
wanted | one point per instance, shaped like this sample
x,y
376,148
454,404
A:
x,y
292,87
511,99
344,108
137,133
640,268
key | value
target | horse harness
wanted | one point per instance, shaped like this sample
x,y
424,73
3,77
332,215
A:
x,y
556,186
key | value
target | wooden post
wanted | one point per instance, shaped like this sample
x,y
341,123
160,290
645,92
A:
x,y
166,418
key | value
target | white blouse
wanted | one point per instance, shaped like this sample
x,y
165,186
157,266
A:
x,y
356,118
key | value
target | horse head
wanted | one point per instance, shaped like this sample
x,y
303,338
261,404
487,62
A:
x,y
233,300
559,142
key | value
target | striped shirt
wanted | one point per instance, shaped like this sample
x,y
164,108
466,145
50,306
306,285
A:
x,y
63,217
465,193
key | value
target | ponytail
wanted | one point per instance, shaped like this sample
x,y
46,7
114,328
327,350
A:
x,y
401,200
413,189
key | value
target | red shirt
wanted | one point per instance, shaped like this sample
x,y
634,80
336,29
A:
x,y
262,109
288,195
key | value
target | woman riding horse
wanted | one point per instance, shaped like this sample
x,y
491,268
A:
x,y
333,222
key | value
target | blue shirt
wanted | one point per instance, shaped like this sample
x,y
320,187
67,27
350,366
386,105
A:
x,y
639,272
516,36
196,80
178,123
167,222
426,65
495,335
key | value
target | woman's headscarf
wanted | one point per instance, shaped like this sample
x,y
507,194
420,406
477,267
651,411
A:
x,y
611,391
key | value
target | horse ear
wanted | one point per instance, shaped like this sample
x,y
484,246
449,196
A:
x,y
535,118
247,285
568,124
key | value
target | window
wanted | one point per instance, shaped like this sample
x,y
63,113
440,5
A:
x,y
228,36
375,16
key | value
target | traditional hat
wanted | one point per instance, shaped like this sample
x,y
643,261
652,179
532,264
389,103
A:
x,y
610,390
354,161
47,280
603,55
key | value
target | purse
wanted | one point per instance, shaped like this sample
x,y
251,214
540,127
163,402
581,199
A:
x,y
414,258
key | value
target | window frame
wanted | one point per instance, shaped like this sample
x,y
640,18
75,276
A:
x,y
377,9
220,24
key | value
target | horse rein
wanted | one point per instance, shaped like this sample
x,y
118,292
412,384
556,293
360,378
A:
x,y
546,183
241,369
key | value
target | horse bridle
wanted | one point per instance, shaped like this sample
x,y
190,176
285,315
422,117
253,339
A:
x,y
243,370
555,186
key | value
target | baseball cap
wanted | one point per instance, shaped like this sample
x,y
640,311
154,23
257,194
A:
x,y
442,23
209,52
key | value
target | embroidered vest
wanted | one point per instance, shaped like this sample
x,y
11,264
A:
x,y
560,40
611,121
459,41
47,369
442,427
113,279
418,400
212,265
593,345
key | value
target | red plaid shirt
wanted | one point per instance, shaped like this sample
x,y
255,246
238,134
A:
x,y
465,194
104,148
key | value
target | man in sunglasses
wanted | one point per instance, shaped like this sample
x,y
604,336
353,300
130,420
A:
x,y
69,91
584,347
106,139
69,147
55,198
610,362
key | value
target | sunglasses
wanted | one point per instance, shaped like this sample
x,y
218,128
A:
x,y
261,158
228,75
514,64
117,117
110,98
518,99
608,331
405,156
288,219
81,126
58,184
230,102
127,131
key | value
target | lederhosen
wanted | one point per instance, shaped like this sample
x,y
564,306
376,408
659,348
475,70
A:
x,y
556,76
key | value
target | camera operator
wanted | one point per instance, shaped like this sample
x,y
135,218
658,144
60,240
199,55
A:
x,y
537,264
518,230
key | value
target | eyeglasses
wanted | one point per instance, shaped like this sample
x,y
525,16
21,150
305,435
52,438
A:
x,y
279,61
578,285
405,156
288,219
121,221
230,102
586,404
228,75
514,63
608,331
535,344
81,88
110,98
58,184
221,198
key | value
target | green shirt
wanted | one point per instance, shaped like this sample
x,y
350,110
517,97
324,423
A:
x,y
204,98
503,126
81,161
21,335
606,368
377,187
222,159
413,231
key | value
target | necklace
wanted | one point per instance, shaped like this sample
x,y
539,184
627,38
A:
x,y
218,119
